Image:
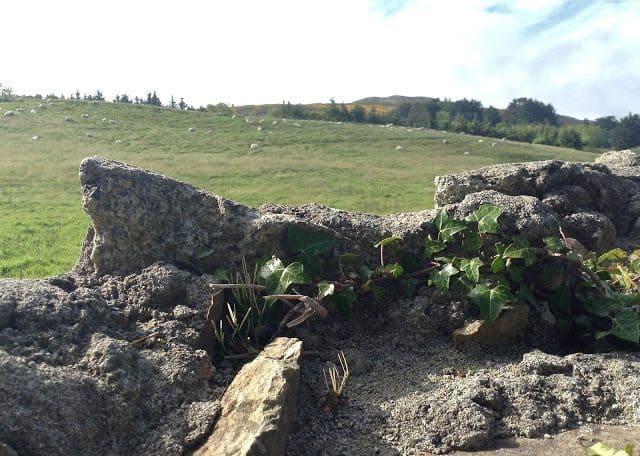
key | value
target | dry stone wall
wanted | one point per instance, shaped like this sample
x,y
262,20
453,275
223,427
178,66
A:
x,y
106,360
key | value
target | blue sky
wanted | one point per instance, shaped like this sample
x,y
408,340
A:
x,y
583,56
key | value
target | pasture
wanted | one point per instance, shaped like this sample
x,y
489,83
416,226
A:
x,y
357,167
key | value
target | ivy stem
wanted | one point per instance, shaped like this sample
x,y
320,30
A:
x,y
222,286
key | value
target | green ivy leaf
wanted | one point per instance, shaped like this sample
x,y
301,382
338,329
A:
x,y
279,277
325,289
364,272
471,268
472,242
491,300
451,228
611,255
432,246
554,245
515,272
487,218
308,245
386,241
441,278
624,279
395,269
447,227
598,305
498,265
349,258
635,260
626,326
525,253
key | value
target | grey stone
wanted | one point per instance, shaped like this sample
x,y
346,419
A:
x,y
509,328
619,159
594,230
525,215
540,363
71,375
609,187
140,217
259,407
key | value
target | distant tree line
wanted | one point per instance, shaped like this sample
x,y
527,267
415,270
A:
x,y
524,119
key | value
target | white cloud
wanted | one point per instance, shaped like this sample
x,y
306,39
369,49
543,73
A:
x,y
583,59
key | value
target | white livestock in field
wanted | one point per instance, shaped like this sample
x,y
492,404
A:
x,y
399,147
255,146
9,114
35,138
191,130
84,116
69,119
19,110
481,140
493,144
33,111
112,122
444,141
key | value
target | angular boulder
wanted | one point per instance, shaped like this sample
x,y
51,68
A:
x,y
139,217
259,407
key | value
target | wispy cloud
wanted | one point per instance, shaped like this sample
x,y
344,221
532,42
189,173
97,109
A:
x,y
499,8
566,11
389,7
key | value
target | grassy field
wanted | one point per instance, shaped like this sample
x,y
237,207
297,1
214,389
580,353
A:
x,y
349,166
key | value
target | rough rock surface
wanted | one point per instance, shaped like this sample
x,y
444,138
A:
x,y
140,217
73,382
259,407
412,393
107,359
583,198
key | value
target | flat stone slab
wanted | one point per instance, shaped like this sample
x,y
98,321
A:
x,y
259,407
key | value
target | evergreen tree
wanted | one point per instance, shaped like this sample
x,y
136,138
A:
x,y
627,133
492,115
358,114
526,110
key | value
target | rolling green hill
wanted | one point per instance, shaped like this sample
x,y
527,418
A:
x,y
350,166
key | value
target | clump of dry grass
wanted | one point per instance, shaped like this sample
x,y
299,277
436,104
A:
x,y
335,382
